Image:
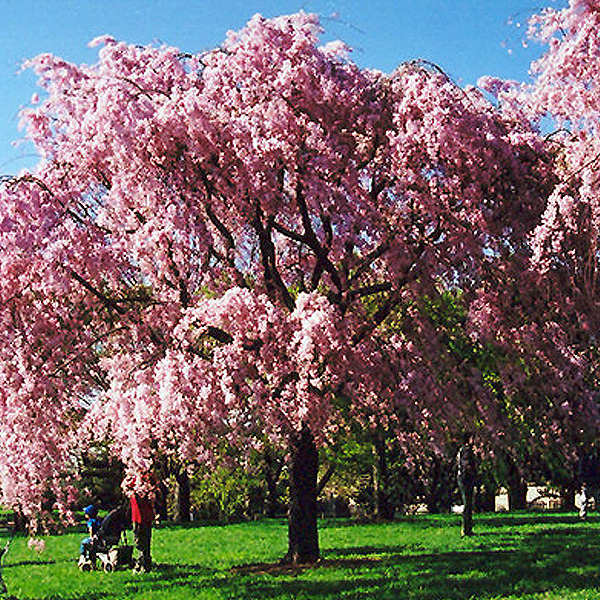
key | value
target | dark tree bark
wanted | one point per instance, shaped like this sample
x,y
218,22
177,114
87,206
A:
x,y
567,496
466,476
517,488
20,522
384,509
161,501
273,466
182,497
325,479
303,536
440,487
517,495
485,499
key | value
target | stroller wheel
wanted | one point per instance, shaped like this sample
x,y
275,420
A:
x,y
108,567
84,563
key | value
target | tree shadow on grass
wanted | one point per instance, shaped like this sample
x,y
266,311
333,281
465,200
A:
x,y
354,551
162,577
535,562
82,596
29,563
511,520
167,575
544,560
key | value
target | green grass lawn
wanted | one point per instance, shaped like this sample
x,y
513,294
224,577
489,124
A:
x,y
512,556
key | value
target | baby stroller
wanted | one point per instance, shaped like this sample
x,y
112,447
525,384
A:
x,y
110,544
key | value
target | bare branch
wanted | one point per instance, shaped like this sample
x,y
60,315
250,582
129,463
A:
x,y
289,233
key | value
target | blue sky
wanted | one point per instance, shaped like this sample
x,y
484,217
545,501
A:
x,y
467,38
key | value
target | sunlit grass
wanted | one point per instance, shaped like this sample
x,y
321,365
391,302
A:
x,y
521,556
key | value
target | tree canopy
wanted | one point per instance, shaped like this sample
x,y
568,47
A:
x,y
239,243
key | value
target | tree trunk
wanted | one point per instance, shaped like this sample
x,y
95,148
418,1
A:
x,y
441,485
303,536
384,509
567,497
272,470
485,499
161,501
517,495
517,488
182,497
20,522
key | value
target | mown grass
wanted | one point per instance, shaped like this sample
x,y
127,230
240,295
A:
x,y
512,556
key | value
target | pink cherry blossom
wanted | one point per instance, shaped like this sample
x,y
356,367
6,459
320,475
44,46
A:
x,y
236,244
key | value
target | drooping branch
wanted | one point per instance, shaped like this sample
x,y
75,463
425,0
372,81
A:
x,y
75,357
141,91
583,167
227,236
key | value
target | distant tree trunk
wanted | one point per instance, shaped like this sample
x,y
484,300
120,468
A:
x,y
485,499
161,501
567,496
272,471
440,487
517,487
517,495
182,496
384,509
303,536
20,522
466,478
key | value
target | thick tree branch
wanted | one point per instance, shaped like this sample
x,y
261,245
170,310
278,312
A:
x,y
108,302
325,479
323,262
369,290
289,233
368,260
227,236
379,317
273,281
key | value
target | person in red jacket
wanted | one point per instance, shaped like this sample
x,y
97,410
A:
x,y
142,516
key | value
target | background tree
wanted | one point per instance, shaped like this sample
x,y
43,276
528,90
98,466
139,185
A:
x,y
545,307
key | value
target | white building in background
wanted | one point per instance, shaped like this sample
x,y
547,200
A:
x,y
538,497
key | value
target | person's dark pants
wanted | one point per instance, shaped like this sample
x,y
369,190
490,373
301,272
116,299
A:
x,y
142,534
